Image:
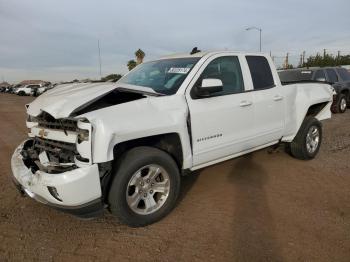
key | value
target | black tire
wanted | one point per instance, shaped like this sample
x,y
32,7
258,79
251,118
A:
x,y
337,105
21,93
298,147
131,162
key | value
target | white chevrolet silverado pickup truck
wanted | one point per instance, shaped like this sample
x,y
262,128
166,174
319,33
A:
x,y
124,146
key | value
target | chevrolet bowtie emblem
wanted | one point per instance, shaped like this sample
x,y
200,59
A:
x,y
42,133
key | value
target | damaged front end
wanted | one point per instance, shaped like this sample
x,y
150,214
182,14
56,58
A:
x,y
54,166
57,145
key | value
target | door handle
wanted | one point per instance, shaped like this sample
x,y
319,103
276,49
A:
x,y
245,103
277,98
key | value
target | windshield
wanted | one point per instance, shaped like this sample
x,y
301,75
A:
x,y
163,76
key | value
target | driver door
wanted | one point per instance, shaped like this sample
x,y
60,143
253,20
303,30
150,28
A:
x,y
222,123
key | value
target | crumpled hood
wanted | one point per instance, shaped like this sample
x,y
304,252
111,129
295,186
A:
x,y
62,100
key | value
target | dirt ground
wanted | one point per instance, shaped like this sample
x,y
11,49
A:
x,y
259,207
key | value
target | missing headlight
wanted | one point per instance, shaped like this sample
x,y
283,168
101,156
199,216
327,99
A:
x,y
83,136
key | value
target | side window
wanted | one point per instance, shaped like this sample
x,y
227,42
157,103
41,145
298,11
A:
x,y
228,70
332,76
344,74
261,72
319,75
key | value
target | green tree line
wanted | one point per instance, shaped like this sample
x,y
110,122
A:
x,y
326,60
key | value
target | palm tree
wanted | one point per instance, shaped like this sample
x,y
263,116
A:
x,y
140,55
131,64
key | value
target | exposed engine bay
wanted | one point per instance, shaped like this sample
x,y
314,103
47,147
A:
x,y
115,97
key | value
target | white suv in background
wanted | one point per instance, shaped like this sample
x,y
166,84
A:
x,y
26,90
30,90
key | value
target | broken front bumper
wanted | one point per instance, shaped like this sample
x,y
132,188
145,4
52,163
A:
x,y
77,191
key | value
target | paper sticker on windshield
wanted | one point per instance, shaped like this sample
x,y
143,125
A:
x,y
179,70
306,72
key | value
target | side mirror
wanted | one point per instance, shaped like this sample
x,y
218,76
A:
x,y
209,86
321,79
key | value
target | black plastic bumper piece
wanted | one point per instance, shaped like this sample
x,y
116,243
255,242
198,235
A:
x,y
91,209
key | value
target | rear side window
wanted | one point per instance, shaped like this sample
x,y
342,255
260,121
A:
x,y
332,76
344,74
319,75
261,72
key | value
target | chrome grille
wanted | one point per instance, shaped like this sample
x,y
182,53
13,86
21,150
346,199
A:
x,y
47,121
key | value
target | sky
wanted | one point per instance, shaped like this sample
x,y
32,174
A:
x,y
58,40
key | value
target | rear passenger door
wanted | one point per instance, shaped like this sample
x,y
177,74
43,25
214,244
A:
x,y
268,99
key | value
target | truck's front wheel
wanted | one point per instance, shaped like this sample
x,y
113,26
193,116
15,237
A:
x,y
145,186
307,142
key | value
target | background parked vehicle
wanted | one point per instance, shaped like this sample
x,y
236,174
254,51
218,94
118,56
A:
x,y
9,90
23,91
3,86
338,77
14,88
29,90
43,89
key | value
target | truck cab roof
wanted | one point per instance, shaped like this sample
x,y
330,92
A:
x,y
209,53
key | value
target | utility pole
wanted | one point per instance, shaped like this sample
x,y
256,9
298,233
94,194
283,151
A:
x,y
286,62
338,58
99,57
303,58
324,53
260,30
260,39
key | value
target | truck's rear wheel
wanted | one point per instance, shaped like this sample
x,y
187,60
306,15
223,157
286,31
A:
x,y
145,186
307,142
